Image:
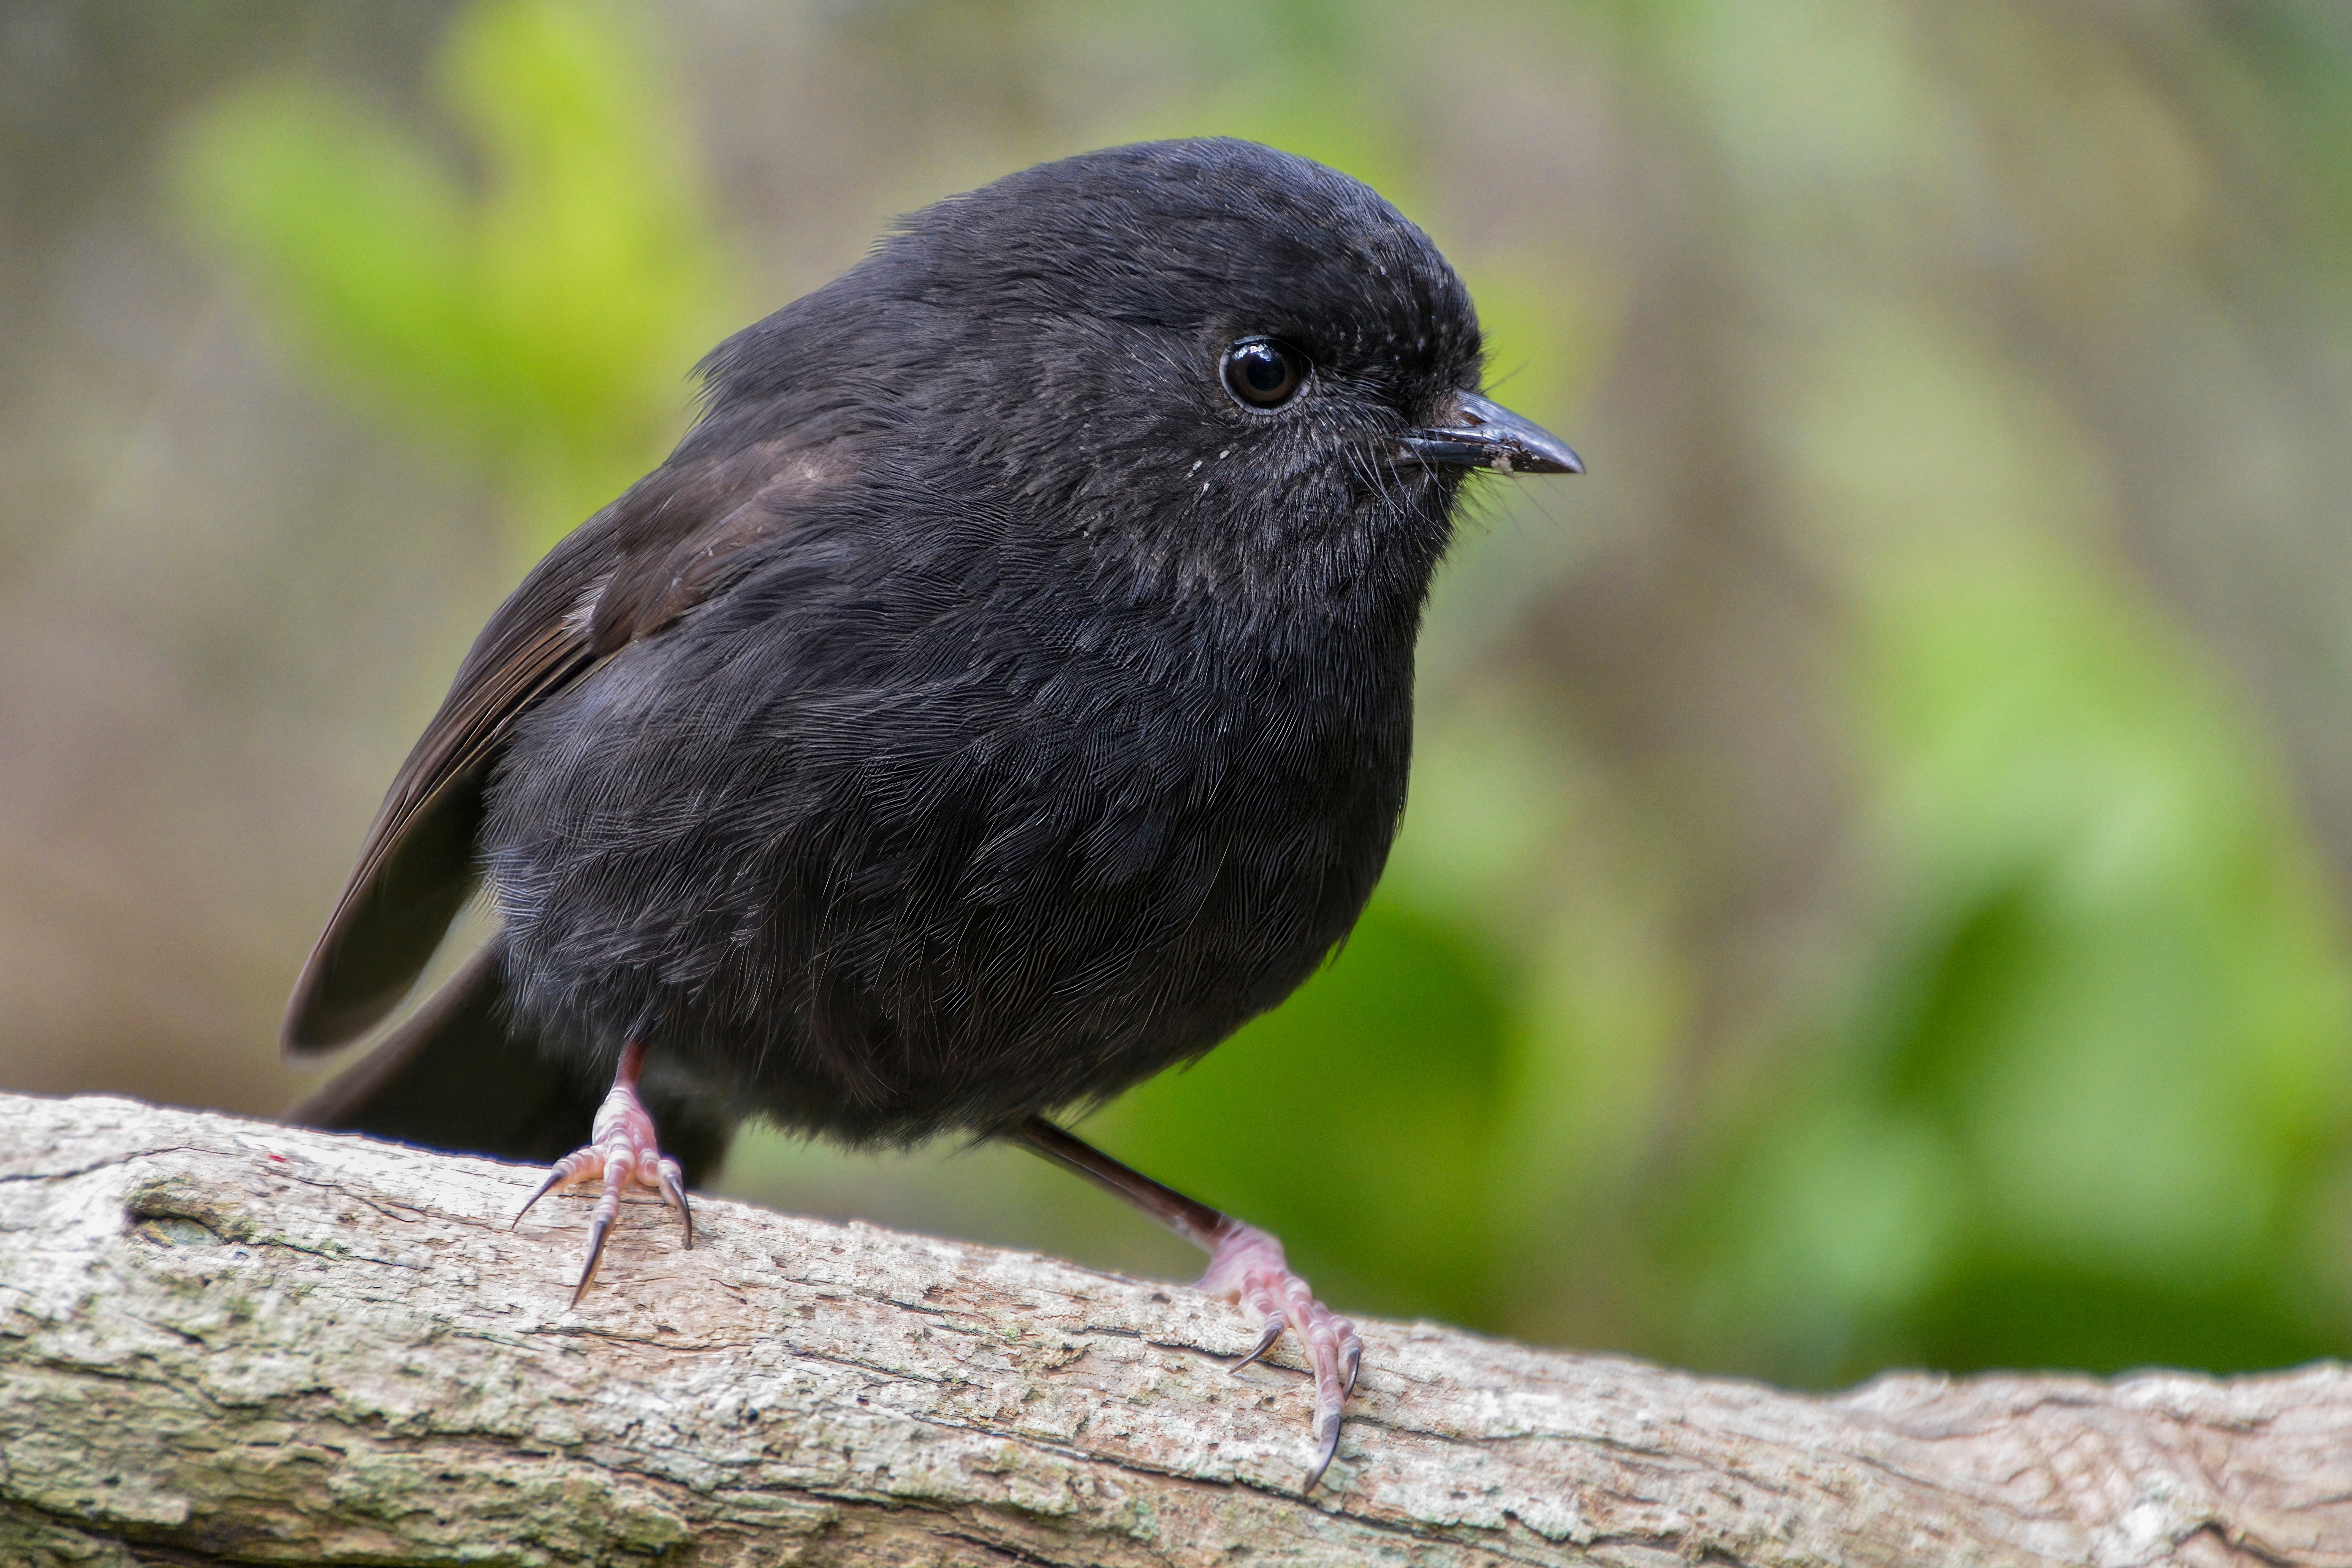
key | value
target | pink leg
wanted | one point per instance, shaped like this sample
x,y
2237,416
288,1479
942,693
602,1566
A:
x,y
1246,1265
622,1150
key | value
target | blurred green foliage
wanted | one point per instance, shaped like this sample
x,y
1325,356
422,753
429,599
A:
x,y
539,318
1358,1119
2073,1106
2052,1065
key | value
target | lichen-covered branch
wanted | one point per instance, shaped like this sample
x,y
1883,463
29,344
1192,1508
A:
x,y
230,1341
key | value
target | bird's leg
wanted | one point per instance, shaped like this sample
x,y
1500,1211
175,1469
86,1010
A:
x,y
621,1149
1246,1265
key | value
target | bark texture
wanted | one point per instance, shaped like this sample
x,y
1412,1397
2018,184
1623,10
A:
x,y
230,1341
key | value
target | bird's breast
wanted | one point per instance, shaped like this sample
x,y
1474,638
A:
x,y
884,888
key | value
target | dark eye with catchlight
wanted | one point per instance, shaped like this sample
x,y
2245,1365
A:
x,y
1263,373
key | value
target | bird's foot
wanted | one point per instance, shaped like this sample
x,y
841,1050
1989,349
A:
x,y
621,1149
1246,1265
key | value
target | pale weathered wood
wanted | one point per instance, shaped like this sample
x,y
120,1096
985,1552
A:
x,y
226,1341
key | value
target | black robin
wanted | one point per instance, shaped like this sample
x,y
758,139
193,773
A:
x,y
1001,693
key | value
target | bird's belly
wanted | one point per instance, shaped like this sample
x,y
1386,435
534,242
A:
x,y
883,923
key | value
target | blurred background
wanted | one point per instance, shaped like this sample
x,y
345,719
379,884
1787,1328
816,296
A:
x,y
1873,890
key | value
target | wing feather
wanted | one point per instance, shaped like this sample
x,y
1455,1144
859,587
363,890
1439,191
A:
x,y
679,536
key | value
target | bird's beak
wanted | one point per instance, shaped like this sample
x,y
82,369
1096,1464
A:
x,y
1481,433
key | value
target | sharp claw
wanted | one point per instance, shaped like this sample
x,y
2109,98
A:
x,y
673,1191
1355,1365
1327,1432
598,1230
1266,1340
554,1178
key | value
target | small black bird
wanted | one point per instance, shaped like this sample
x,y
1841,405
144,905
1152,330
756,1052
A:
x,y
1003,692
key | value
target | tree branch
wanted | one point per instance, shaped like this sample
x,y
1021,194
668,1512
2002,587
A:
x,y
231,1342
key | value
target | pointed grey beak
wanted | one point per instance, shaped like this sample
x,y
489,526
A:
x,y
1484,434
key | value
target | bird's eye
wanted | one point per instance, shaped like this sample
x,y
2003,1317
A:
x,y
1263,373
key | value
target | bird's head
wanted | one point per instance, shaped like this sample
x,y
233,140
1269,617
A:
x,y
1215,360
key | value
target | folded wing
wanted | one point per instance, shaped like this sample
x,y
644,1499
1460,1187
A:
x,y
677,538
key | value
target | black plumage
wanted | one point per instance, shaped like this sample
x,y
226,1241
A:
x,y
1001,693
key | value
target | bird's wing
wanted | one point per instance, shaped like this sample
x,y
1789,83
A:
x,y
675,539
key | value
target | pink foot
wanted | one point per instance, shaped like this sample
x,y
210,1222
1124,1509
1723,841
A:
x,y
622,1150
1246,1265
